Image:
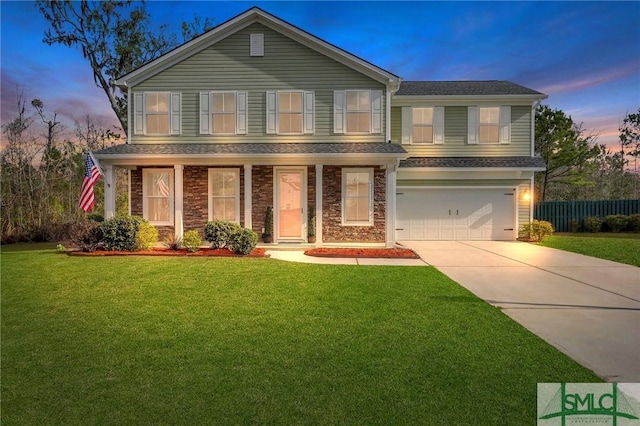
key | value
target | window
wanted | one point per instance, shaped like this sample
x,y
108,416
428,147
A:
x,y
357,111
224,195
422,125
357,197
290,112
223,113
157,113
489,130
157,196
489,124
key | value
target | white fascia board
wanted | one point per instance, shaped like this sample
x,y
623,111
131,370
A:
x,y
238,23
457,100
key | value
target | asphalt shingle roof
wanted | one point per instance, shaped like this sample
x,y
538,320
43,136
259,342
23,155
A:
x,y
474,162
251,149
463,88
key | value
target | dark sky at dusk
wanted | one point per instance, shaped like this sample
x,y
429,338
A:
x,y
584,55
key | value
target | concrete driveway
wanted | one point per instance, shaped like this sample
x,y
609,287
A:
x,y
586,307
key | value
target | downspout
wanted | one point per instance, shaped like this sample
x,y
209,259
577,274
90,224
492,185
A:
x,y
392,88
129,121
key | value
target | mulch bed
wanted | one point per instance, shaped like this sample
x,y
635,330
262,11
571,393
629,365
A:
x,y
258,252
388,253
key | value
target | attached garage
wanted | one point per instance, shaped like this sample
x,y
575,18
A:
x,y
455,213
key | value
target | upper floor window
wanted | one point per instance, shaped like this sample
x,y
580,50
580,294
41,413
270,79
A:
x,y
290,112
224,195
223,113
157,113
357,111
357,197
489,124
423,125
157,196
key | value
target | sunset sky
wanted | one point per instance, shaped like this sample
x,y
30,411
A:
x,y
584,55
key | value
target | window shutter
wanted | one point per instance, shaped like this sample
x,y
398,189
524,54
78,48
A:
x,y
308,119
438,125
338,111
472,138
407,124
241,113
205,113
505,124
271,112
176,118
138,115
376,111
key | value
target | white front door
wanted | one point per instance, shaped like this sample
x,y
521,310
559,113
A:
x,y
290,200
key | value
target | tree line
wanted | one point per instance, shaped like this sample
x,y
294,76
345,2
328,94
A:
x,y
42,173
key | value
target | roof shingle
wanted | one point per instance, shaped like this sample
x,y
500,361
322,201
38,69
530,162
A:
x,y
474,162
463,88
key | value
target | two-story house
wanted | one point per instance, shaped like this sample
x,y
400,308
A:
x,y
258,113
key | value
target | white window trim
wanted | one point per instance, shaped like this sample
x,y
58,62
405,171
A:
x,y
504,124
210,191
437,125
273,112
174,113
345,171
145,204
340,112
206,112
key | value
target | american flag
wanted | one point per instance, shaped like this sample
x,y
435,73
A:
x,y
91,176
163,188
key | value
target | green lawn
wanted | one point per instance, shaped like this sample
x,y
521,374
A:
x,y
624,248
152,340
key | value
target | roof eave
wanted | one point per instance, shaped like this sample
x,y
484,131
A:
x,y
473,169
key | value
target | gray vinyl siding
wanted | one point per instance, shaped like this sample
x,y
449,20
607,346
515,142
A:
x,y
286,65
455,135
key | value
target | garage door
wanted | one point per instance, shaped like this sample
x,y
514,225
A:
x,y
455,214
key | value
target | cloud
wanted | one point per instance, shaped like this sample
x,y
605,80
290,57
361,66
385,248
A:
x,y
593,79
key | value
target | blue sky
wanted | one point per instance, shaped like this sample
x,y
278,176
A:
x,y
584,55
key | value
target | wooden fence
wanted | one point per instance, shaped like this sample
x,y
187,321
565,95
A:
x,y
559,213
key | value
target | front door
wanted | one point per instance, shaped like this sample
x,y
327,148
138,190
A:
x,y
290,201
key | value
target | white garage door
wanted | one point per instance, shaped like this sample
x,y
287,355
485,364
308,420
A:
x,y
455,214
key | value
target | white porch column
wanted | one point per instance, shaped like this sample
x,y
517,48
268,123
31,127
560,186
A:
x,y
109,192
179,200
248,222
318,205
390,212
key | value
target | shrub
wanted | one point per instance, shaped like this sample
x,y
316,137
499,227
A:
x,y
119,233
218,232
146,236
592,224
633,223
616,222
574,225
172,242
86,235
96,217
243,241
192,241
537,230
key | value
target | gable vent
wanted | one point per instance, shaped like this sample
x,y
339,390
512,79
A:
x,y
256,45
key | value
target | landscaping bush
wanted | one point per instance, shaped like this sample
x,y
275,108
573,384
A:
x,y
120,232
616,222
146,236
192,241
574,226
172,242
218,232
537,230
633,223
592,224
243,241
86,235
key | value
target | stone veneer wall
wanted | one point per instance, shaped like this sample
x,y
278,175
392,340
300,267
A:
x,y
332,230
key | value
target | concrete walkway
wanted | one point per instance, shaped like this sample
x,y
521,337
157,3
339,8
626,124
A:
x,y
299,256
588,308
